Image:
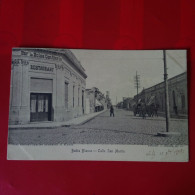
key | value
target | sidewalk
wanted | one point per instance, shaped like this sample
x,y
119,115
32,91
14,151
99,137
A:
x,y
174,116
161,116
52,125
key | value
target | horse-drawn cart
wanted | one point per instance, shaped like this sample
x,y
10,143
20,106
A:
x,y
142,109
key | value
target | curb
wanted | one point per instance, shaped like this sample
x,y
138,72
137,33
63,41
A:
x,y
87,120
57,126
27,128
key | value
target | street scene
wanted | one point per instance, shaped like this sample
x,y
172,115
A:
x,y
123,128
85,97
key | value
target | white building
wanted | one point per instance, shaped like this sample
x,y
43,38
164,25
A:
x,y
46,85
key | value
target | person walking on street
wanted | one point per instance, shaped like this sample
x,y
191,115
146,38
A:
x,y
111,111
143,110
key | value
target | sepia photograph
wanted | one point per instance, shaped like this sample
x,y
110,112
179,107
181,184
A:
x,y
115,105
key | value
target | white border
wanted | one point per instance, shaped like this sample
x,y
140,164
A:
x,y
99,152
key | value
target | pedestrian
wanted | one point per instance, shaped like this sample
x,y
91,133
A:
x,y
143,110
111,111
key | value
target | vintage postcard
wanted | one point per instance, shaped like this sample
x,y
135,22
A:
x,y
110,105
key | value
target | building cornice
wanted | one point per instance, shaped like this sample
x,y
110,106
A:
x,y
178,77
65,54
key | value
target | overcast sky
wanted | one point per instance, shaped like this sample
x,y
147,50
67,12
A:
x,y
114,70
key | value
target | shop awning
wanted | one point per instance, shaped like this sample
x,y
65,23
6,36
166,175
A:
x,y
139,101
97,103
151,100
133,103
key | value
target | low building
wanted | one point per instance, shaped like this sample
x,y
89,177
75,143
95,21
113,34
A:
x,y
119,105
128,103
46,85
95,100
108,100
90,100
101,102
177,89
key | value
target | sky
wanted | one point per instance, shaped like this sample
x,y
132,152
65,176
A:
x,y
114,70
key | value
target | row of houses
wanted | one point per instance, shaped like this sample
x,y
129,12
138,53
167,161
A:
x,y
50,85
96,100
177,90
127,103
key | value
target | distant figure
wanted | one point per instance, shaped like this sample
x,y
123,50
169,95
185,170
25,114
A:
x,y
156,110
111,111
143,110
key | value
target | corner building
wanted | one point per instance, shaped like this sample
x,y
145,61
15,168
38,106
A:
x,y
46,85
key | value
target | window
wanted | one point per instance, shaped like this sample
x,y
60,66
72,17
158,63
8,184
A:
x,y
46,106
33,103
82,98
78,95
183,101
83,101
40,103
66,95
174,102
73,97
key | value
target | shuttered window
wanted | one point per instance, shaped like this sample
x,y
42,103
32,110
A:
x,y
66,95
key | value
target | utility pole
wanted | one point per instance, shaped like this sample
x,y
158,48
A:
x,y
167,113
137,83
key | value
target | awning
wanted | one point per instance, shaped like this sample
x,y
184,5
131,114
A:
x,y
139,100
151,100
133,103
97,103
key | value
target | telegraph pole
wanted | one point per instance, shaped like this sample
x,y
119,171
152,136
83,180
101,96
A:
x,y
167,113
137,83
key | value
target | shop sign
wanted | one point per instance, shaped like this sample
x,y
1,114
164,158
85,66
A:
x,y
41,68
40,55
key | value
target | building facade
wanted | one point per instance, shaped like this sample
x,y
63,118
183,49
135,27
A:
x,y
95,100
177,90
46,85
90,100
108,100
128,103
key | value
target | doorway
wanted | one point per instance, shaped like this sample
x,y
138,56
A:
x,y
174,103
83,102
40,107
